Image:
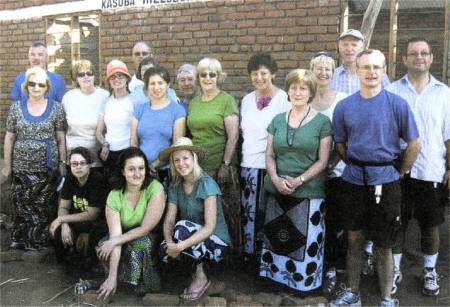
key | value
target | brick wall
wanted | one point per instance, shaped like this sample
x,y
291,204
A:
x,y
230,31
428,23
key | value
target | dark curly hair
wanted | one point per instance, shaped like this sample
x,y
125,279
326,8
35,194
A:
x,y
145,61
262,59
157,70
83,151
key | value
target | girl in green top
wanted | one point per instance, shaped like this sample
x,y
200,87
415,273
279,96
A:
x,y
201,233
133,209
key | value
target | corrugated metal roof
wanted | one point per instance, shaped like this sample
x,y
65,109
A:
x,y
402,4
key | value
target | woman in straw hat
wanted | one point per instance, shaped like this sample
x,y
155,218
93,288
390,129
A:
x,y
201,233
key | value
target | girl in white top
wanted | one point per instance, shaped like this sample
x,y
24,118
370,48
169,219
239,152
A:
x,y
82,106
115,116
257,110
322,65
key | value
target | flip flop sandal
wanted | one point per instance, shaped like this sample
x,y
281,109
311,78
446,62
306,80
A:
x,y
197,293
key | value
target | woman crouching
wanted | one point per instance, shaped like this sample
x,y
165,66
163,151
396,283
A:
x,y
201,233
133,209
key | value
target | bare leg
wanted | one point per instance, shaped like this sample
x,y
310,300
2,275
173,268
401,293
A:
x,y
199,280
354,258
385,267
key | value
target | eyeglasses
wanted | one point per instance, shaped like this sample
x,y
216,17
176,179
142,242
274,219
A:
x,y
417,54
118,76
143,53
83,74
211,75
33,84
76,164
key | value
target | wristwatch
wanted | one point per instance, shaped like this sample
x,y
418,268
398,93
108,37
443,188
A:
x,y
302,179
226,163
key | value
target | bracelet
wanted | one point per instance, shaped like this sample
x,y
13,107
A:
x,y
226,163
105,144
302,179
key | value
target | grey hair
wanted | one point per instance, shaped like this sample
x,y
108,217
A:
x,y
186,67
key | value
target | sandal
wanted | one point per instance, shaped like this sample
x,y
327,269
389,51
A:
x,y
195,294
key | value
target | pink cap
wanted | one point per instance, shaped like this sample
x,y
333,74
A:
x,y
116,66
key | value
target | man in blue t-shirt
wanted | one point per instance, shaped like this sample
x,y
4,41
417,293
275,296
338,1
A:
x,y
368,126
37,56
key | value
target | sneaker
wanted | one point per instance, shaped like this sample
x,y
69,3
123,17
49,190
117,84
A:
x,y
347,298
368,265
398,277
430,282
392,302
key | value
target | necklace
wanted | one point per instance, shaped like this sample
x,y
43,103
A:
x,y
290,132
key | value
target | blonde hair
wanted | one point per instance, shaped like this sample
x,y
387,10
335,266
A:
x,y
213,65
304,75
79,65
322,58
38,72
176,177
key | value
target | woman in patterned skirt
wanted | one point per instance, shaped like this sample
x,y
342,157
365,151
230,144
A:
x,y
298,147
201,233
133,209
257,110
34,151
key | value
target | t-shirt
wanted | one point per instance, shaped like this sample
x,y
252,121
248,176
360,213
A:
x,y
117,114
155,127
35,147
372,129
254,124
57,87
91,194
294,161
129,218
134,82
82,115
191,206
205,122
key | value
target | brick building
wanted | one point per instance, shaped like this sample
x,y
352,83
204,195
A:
x,y
181,31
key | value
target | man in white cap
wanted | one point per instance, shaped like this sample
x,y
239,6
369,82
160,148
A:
x,y
345,79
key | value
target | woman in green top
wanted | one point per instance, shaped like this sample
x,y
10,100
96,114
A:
x,y
213,120
201,233
298,148
133,209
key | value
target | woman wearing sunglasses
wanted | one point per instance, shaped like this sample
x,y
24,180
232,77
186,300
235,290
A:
x,y
213,120
298,147
82,106
34,151
81,219
322,66
113,124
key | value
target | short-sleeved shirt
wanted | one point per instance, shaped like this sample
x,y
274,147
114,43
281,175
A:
x,y
91,194
206,124
117,114
254,124
117,201
57,87
192,206
347,83
372,129
294,161
35,147
155,127
431,110
82,115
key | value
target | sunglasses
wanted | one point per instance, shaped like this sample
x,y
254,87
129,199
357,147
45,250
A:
x,y
118,77
83,74
211,75
144,53
76,164
33,84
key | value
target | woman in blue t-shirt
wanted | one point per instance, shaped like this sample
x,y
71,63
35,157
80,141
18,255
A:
x,y
156,124
201,233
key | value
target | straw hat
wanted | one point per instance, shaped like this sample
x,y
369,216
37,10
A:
x,y
182,143
116,66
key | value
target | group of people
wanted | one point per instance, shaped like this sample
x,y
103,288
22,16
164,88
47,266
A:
x,y
339,150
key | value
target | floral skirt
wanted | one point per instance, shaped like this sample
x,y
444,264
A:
x,y
252,200
212,249
293,242
231,205
34,199
136,264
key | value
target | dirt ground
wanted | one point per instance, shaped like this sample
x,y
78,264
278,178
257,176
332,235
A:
x,y
35,283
